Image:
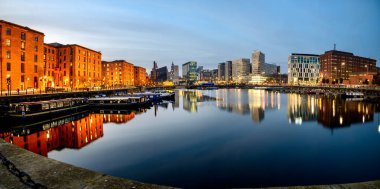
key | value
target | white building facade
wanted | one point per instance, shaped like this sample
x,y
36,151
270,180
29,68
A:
x,y
303,69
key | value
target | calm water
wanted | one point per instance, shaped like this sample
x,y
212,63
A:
x,y
221,138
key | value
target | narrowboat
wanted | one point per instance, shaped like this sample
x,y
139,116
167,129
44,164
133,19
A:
x,y
46,108
120,102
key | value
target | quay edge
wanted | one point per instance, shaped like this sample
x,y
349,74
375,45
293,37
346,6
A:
x,y
55,174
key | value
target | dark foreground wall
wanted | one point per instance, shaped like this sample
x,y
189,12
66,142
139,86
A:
x,y
55,174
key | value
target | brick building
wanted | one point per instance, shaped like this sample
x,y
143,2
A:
x,y
117,73
21,57
338,65
140,76
72,66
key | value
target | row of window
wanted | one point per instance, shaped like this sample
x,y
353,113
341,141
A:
x,y
23,35
8,56
304,70
22,67
301,59
8,44
305,75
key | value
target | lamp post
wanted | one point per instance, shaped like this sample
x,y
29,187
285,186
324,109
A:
x,y
45,82
90,83
27,84
336,71
9,84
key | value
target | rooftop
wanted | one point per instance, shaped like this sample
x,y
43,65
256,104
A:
x,y
24,27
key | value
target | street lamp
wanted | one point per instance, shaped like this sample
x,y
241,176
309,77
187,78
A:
x,y
27,84
45,82
9,83
90,82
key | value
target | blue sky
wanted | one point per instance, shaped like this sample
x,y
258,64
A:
x,y
208,32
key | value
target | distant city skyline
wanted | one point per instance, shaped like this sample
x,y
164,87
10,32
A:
x,y
208,32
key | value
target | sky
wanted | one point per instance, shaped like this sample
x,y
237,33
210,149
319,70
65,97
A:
x,y
209,32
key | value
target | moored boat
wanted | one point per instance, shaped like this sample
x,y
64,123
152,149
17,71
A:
x,y
46,108
353,95
119,101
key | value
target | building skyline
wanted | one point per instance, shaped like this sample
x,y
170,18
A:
x,y
131,30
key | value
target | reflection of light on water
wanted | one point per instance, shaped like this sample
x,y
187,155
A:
x,y
298,120
341,120
333,106
290,121
363,118
312,105
378,129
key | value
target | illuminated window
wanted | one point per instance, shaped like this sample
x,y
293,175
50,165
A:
x,y
22,45
8,54
35,48
8,42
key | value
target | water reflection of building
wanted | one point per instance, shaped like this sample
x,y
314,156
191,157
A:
x,y
175,104
339,113
251,101
118,118
192,97
302,108
74,134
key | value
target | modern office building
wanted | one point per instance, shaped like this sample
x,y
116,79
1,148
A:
x,y
337,66
303,69
270,69
118,73
139,76
228,71
240,69
206,75
162,74
258,59
222,71
214,74
189,71
21,57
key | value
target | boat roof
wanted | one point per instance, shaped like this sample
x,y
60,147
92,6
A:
x,y
49,101
115,98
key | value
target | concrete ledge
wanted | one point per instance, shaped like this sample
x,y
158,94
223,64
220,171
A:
x,y
55,174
